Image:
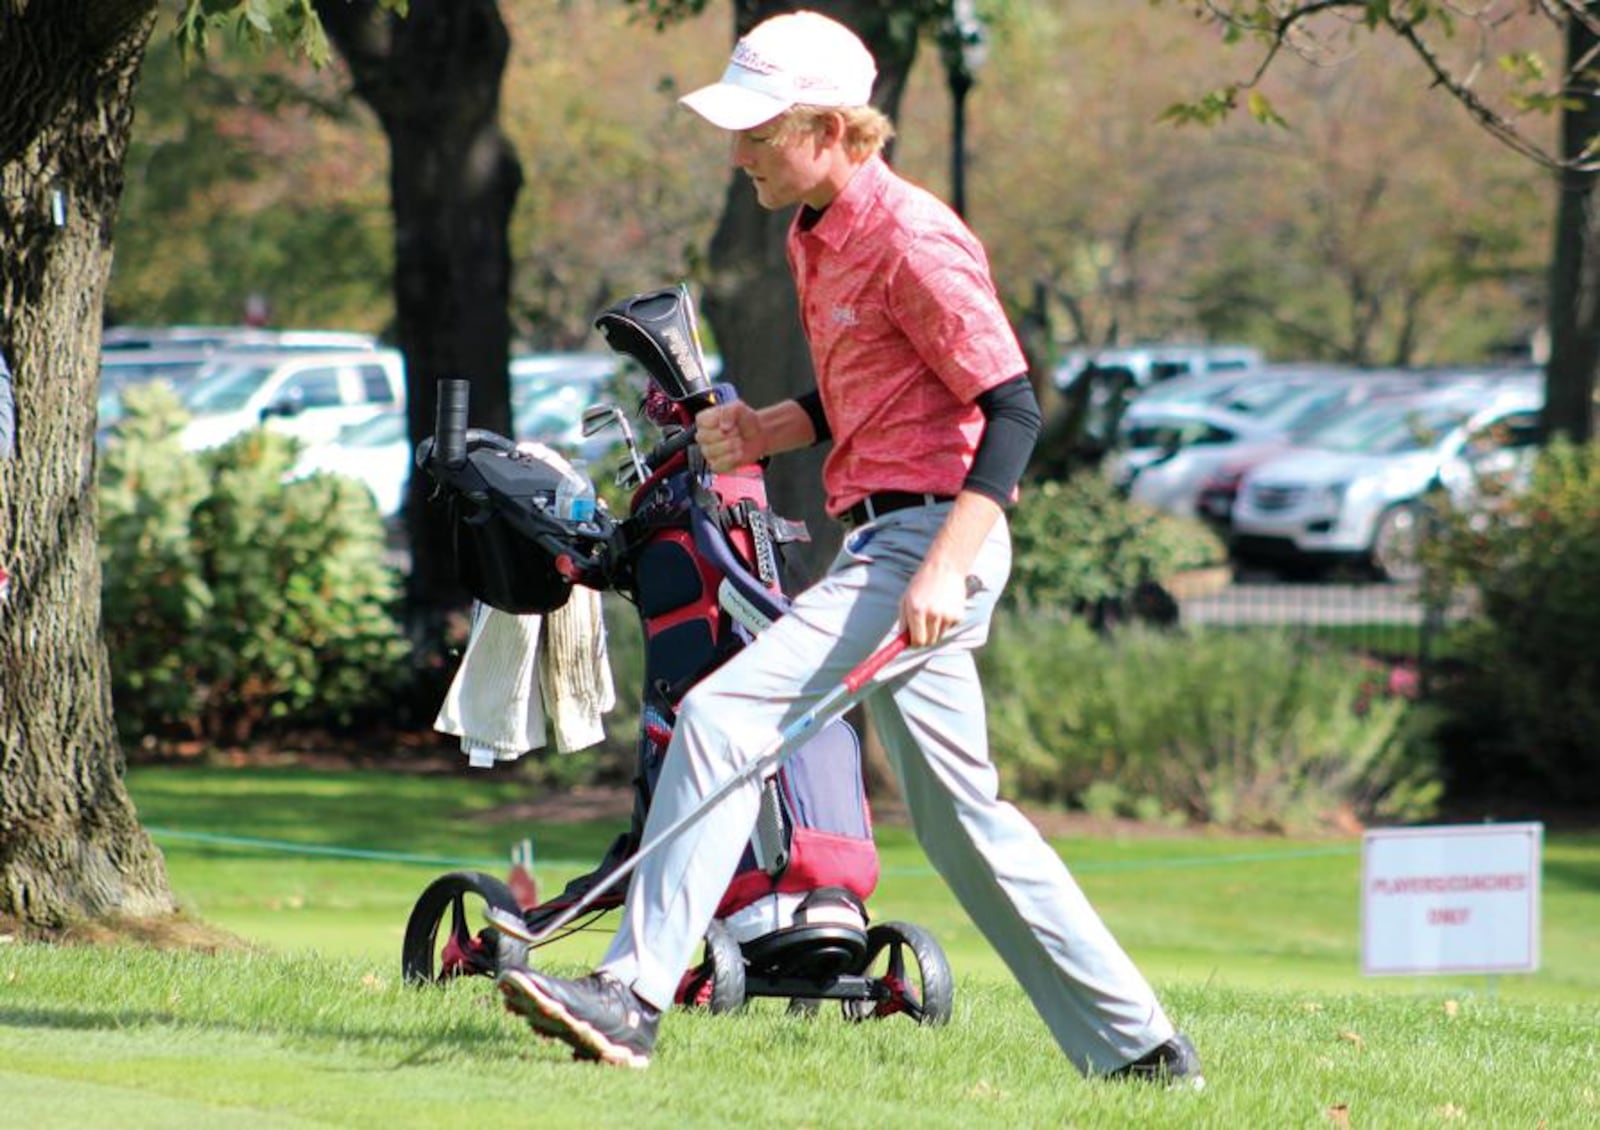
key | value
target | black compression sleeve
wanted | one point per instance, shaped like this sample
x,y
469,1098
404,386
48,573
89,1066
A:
x,y
1011,427
812,403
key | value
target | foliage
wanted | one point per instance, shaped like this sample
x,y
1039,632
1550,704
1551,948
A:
x,y
253,181
259,23
1562,105
1079,541
1302,241
1299,240
1522,707
233,601
1242,730
1321,31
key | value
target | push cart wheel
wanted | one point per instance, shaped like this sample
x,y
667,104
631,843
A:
x,y
920,987
717,983
464,949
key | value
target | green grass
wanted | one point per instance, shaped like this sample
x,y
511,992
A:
x,y
1252,943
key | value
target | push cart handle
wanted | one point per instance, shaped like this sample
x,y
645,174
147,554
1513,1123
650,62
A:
x,y
450,422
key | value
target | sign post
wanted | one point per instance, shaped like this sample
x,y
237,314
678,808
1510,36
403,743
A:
x,y
1451,899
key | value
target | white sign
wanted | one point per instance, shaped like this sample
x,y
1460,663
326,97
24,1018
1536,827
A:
x,y
1451,899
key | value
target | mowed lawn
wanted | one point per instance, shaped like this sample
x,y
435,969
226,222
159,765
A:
x,y
1253,943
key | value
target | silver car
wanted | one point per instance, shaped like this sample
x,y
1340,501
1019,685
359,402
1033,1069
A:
x,y
1355,490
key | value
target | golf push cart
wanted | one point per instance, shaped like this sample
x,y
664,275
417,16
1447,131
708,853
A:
x,y
698,554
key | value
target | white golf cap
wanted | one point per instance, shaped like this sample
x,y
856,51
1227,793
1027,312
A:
x,y
801,58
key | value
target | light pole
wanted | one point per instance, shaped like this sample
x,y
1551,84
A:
x,y
964,45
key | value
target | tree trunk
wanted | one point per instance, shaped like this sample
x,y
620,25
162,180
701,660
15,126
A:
x,y
433,78
70,842
1575,268
750,299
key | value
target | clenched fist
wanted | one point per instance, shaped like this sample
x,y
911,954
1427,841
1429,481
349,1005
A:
x,y
730,435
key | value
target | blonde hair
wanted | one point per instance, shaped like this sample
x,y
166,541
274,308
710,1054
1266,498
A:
x,y
866,128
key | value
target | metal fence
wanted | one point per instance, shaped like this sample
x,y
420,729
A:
x,y
1394,624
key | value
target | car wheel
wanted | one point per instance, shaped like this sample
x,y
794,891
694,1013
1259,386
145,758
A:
x,y
1396,542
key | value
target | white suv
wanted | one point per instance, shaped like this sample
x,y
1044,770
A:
x,y
1354,489
309,395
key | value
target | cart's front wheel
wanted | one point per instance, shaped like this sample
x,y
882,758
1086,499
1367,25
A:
x,y
463,950
921,988
717,983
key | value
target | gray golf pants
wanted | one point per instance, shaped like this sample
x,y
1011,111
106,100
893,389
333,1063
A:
x,y
927,708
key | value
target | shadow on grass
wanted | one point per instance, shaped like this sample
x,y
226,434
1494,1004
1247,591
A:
x,y
452,1041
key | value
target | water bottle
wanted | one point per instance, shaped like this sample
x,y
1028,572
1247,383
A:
x,y
575,498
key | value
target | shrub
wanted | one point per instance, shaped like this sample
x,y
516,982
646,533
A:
x,y
1078,542
232,599
1520,713
1245,730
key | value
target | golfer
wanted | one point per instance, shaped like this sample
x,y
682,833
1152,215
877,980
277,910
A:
x,y
922,389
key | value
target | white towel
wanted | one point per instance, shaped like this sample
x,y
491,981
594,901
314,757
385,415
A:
x,y
520,671
575,672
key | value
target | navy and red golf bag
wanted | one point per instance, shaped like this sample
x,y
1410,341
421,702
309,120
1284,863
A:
x,y
700,556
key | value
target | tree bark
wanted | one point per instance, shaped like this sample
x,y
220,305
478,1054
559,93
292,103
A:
x,y
1575,268
750,300
433,78
71,846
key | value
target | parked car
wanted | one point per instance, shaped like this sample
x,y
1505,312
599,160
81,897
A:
x,y
176,354
1280,413
1238,390
1157,455
121,369
1356,489
376,453
307,394
1143,366
1107,380
1217,491
213,339
549,392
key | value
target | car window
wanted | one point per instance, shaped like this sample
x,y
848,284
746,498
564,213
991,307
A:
x,y
225,389
1166,370
1516,430
1171,434
121,372
375,384
1417,429
313,388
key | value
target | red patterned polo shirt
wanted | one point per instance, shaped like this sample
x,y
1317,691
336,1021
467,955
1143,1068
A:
x,y
906,331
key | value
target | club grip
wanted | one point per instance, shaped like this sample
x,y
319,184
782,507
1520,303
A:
x,y
867,670
450,422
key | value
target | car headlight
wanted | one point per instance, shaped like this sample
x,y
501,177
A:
x,y
1331,496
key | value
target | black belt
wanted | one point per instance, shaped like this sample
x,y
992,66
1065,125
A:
x,y
875,506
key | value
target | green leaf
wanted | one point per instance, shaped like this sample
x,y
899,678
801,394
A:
x,y
1261,110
